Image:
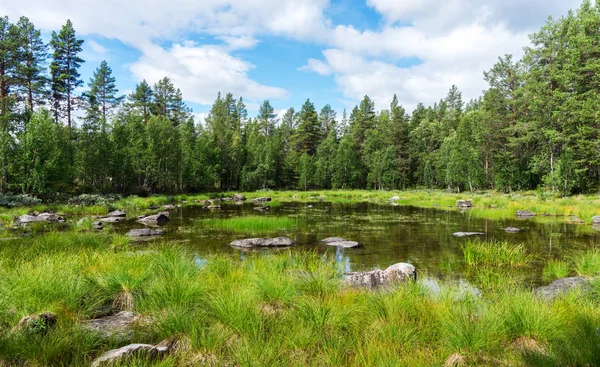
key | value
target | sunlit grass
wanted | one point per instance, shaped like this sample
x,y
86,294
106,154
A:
x,y
495,254
252,224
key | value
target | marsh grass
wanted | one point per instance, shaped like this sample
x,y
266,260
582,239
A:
x,y
252,224
495,254
282,309
556,269
587,262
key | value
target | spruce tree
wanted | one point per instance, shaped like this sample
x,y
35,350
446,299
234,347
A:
x,y
30,76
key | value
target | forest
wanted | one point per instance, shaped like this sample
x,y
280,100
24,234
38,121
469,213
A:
x,y
535,127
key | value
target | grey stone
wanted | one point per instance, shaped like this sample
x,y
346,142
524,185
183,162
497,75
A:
x,y
464,204
262,208
263,242
333,239
98,226
596,220
340,242
468,234
238,197
145,232
561,287
156,219
120,355
111,219
397,273
261,200
43,217
525,214
115,213
512,230
393,199
119,325
169,207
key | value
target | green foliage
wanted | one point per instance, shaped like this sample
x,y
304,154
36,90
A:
x,y
495,254
556,269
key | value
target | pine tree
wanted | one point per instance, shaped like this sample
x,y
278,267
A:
x,y
64,71
168,102
8,65
308,134
141,100
267,118
30,74
103,91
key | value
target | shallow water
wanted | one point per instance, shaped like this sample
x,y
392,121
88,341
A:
x,y
389,234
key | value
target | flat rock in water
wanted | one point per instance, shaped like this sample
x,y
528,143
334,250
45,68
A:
x,y
512,230
392,200
561,287
118,325
238,197
464,204
525,214
263,242
169,207
115,214
262,208
596,220
120,355
43,217
145,232
156,219
98,226
468,234
111,219
261,200
340,242
397,273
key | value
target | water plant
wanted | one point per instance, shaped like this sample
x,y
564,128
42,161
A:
x,y
495,254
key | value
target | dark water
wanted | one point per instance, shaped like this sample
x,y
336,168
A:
x,y
390,234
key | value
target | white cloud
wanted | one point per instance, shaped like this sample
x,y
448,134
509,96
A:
x,y
97,48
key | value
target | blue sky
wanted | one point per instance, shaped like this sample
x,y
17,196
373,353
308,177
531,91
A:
x,y
333,52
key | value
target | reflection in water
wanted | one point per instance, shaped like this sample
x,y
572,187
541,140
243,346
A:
x,y
390,234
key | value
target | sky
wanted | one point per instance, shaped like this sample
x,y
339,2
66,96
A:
x,y
329,51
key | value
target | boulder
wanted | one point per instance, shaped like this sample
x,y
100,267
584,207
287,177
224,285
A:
x,y
145,232
263,242
169,207
561,287
596,220
119,325
397,273
156,219
262,208
525,214
37,324
340,242
464,204
261,200
120,355
468,234
238,197
212,207
512,230
111,219
98,226
115,214
43,217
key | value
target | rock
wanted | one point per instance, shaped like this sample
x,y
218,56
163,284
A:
x,y
468,234
596,220
263,242
156,219
37,324
525,214
262,208
575,220
119,325
512,230
145,232
115,214
464,204
43,217
340,242
392,200
397,273
98,226
261,200
212,207
169,207
238,197
562,286
120,355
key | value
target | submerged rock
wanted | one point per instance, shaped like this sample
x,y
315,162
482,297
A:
x,y
111,219
119,325
120,355
156,219
340,242
397,273
525,214
512,230
262,208
468,234
464,204
261,200
263,242
145,232
43,217
38,324
561,287
212,207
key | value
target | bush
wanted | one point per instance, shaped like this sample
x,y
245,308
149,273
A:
x,y
93,199
11,200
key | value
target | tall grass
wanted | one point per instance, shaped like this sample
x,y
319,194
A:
x,y
252,224
495,254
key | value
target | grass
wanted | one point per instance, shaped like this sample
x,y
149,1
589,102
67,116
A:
x,y
495,254
556,269
252,224
287,308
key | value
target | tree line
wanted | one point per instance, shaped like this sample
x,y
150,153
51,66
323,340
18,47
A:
x,y
536,126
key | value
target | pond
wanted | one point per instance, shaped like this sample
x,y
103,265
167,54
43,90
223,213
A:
x,y
389,234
